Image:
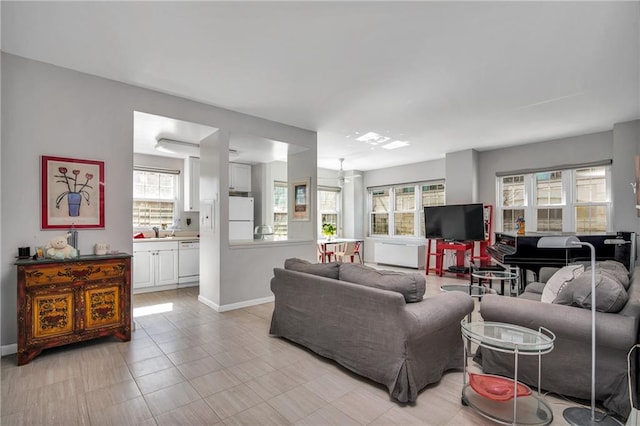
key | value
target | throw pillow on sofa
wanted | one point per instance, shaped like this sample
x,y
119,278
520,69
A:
x,y
559,280
328,270
610,293
617,270
411,286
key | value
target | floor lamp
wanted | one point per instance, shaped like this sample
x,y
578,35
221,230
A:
x,y
581,415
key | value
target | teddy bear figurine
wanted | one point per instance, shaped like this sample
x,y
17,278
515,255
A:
x,y
58,248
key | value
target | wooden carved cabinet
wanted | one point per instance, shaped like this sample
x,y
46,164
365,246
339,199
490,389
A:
x,y
68,301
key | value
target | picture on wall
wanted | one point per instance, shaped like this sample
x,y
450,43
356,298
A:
x,y
72,193
300,198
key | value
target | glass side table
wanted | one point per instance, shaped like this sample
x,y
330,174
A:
x,y
508,338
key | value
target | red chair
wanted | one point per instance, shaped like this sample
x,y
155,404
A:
x,y
356,251
325,255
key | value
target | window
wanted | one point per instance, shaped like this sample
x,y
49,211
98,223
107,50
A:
x,y
549,193
328,207
432,195
398,210
592,198
571,200
380,211
512,201
154,198
280,208
405,208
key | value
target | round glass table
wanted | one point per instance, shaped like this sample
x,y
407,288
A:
x,y
471,290
476,291
531,409
511,276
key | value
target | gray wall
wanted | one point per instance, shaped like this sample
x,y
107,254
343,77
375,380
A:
x,y
574,150
461,177
417,172
47,110
626,145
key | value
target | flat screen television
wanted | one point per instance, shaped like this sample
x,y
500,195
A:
x,y
456,222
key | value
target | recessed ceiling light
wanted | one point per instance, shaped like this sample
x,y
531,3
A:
x,y
395,144
373,138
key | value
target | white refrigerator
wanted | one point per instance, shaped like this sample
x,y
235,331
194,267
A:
x,y
240,218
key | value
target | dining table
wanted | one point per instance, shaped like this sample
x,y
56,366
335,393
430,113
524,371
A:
x,y
324,243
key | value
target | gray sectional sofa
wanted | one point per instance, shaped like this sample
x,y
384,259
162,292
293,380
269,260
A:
x,y
567,369
374,323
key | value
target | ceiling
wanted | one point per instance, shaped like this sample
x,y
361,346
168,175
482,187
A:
x,y
243,148
444,76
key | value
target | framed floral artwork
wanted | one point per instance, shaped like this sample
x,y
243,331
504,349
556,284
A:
x,y
72,193
301,203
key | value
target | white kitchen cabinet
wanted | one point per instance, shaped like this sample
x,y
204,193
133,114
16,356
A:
x,y
192,184
143,268
155,264
239,177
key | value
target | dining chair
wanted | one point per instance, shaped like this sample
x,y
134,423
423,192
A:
x,y
356,251
324,253
345,250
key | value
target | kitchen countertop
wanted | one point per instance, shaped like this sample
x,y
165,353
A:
x,y
155,240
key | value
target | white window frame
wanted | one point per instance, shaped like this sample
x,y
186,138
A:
x,y
285,185
338,212
568,205
417,208
176,196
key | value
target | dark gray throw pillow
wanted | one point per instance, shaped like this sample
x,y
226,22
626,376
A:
x,y
329,270
610,294
411,285
617,270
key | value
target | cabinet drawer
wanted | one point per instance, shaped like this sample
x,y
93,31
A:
x,y
64,273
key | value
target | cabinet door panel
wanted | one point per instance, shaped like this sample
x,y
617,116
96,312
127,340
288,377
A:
x,y
102,306
167,268
53,314
239,177
143,269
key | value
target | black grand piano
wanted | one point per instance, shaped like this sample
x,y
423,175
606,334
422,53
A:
x,y
522,251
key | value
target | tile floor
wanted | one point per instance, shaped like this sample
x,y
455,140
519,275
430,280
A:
x,y
190,365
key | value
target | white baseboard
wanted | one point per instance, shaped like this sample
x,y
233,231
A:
x,y
209,303
8,349
233,306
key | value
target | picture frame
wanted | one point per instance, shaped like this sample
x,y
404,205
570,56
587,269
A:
x,y
72,193
300,199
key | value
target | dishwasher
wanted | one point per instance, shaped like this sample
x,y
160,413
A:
x,y
188,263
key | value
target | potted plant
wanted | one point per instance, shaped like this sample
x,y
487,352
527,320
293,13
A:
x,y
329,230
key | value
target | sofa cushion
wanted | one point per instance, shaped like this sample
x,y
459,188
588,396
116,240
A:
x,y
328,270
610,294
411,285
558,280
617,270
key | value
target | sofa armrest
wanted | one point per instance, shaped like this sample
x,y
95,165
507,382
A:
x,y
612,330
437,312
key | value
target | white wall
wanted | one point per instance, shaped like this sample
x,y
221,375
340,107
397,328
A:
x,y
47,110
